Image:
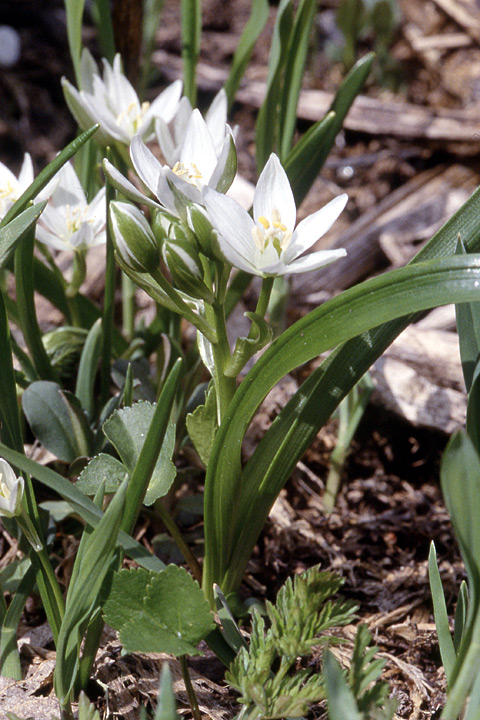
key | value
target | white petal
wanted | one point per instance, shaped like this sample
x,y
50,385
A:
x,y
166,142
314,227
69,190
273,192
166,104
235,259
180,122
47,238
198,148
25,177
145,163
231,221
314,260
226,167
88,69
175,194
7,474
216,119
124,186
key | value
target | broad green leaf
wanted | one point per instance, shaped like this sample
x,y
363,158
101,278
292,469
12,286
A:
x,y
202,425
127,429
256,22
13,233
355,311
56,420
79,502
158,612
102,468
445,642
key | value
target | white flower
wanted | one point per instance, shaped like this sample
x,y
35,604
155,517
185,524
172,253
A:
x,y
114,104
270,244
11,491
69,222
175,188
170,137
11,187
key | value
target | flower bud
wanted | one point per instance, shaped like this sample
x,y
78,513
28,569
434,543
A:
x,y
133,238
199,222
11,491
181,256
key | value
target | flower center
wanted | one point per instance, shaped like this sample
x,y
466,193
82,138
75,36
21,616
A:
x,y
4,490
189,173
75,218
131,118
271,231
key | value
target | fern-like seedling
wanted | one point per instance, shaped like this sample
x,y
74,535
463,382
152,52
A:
x,y
262,674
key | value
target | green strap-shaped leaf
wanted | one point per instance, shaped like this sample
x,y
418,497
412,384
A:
x,y
74,11
87,369
256,22
297,425
294,69
355,311
266,132
13,233
445,642
80,503
307,157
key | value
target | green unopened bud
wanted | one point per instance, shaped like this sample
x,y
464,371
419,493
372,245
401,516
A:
x,y
185,268
162,224
64,346
199,222
133,238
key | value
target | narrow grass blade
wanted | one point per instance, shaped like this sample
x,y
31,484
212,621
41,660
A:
x,y
468,328
102,15
461,613
313,148
13,233
74,10
24,283
256,22
87,369
9,414
294,69
9,657
266,130
447,650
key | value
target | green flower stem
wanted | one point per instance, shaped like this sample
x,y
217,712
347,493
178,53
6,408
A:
x,y
177,536
79,270
225,386
264,297
199,322
128,306
192,698
108,307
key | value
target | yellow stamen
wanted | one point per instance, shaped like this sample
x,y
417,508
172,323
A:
x,y
263,221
